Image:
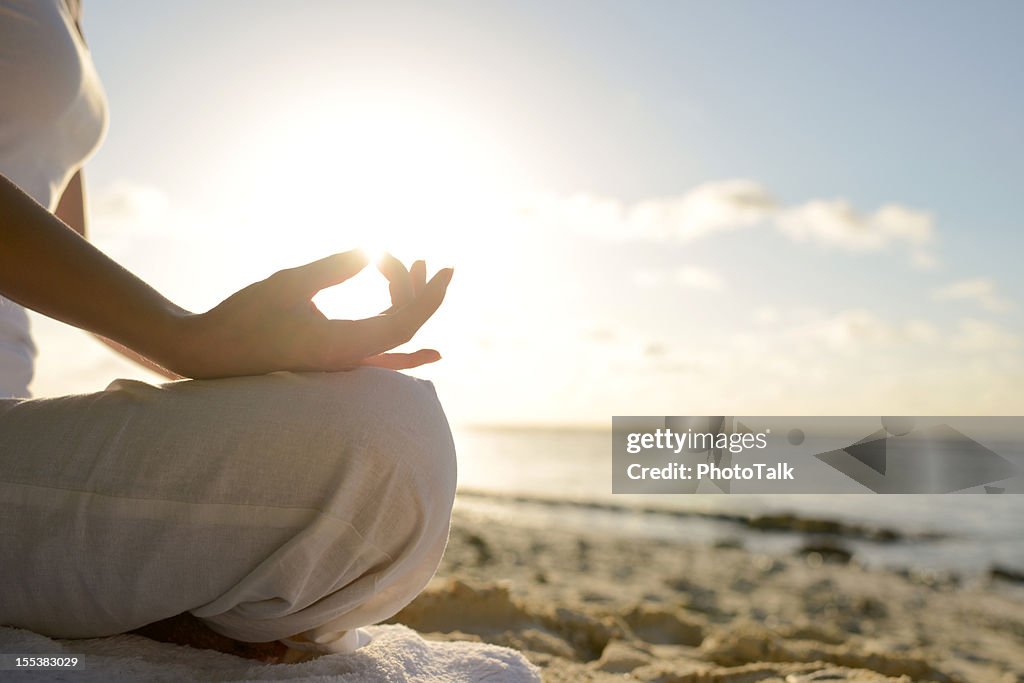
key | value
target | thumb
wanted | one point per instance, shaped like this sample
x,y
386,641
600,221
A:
x,y
309,279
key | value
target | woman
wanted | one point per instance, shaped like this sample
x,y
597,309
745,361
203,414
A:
x,y
295,489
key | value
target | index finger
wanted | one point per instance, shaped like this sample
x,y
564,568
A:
x,y
332,270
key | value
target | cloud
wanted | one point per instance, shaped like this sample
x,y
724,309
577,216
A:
x,y
855,330
695,277
152,234
982,336
982,291
687,277
728,205
766,315
125,203
774,360
772,315
706,209
847,361
921,332
924,259
851,329
835,223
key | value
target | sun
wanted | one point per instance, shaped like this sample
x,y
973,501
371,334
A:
x,y
400,174
386,173
396,172
374,253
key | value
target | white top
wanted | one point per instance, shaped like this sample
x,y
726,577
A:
x,y
52,118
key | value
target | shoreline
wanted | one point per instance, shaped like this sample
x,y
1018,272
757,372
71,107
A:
x,y
595,606
781,531
781,522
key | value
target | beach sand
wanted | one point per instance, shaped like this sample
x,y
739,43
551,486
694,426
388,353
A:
x,y
600,607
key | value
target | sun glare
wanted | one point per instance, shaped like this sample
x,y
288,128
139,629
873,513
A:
x,y
388,174
399,175
374,252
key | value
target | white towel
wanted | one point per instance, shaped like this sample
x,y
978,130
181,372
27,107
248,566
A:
x,y
396,655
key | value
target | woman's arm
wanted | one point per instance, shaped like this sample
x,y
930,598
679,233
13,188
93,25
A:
x,y
73,210
268,326
49,268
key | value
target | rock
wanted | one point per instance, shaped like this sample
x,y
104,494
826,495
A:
x,y
484,554
809,631
1006,574
535,640
742,643
587,634
665,625
621,657
826,551
842,674
458,605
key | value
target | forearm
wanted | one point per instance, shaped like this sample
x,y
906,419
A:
x,y
73,211
49,268
137,358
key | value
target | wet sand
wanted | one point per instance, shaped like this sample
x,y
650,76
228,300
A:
x,y
597,607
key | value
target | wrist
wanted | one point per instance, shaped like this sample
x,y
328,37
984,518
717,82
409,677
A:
x,y
169,338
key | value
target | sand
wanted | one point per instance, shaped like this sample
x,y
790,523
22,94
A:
x,y
600,607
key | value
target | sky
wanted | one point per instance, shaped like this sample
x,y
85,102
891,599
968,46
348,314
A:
x,y
658,208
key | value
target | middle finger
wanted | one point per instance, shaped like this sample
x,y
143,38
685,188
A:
x,y
399,281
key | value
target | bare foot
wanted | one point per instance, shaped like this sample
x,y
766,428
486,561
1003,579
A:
x,y
186,629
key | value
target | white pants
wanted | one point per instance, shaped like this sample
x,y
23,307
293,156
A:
x,y
274,506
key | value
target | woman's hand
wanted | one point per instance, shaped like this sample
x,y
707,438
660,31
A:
x,y
404,285
273,324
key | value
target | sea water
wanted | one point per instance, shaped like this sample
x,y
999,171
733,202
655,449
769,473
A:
x,y
972,533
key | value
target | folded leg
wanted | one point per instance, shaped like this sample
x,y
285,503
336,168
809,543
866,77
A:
x,y
284,506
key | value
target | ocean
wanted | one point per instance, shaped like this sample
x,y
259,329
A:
x,y
563,477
